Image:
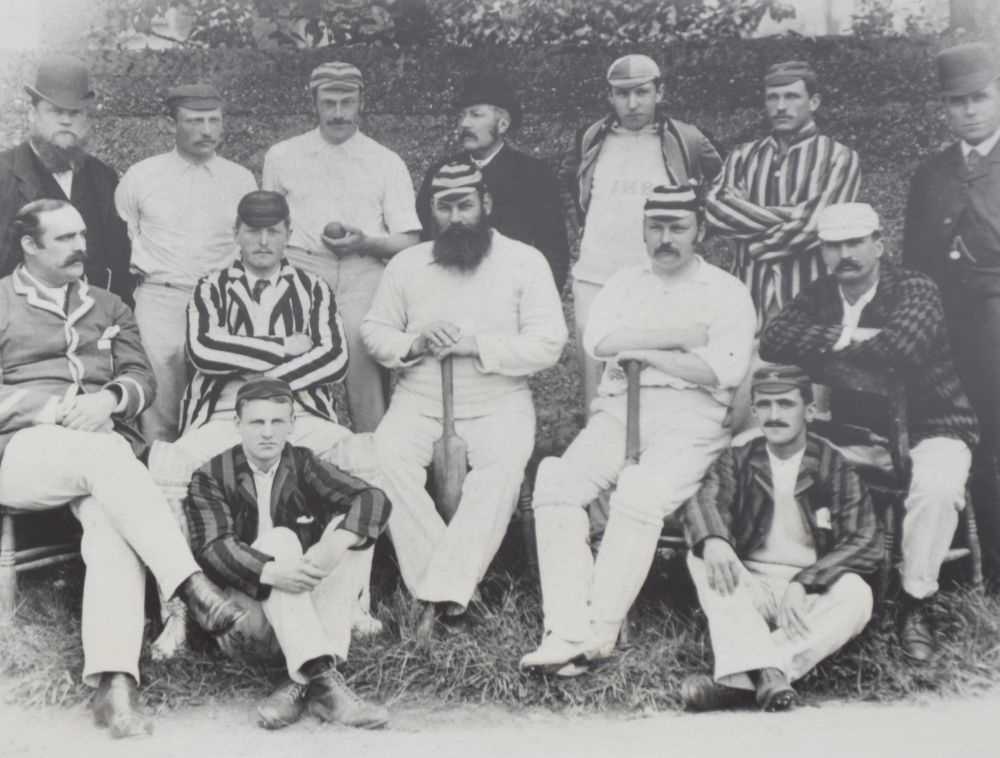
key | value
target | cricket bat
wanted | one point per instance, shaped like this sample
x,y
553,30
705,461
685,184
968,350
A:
x,y
450,460
632,369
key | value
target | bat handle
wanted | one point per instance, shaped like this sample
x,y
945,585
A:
x,y
448,395
632,369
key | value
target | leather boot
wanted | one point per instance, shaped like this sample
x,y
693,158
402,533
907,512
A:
x,y
116,706
774,693
424,632
209,607
282,707
700,692
916,635
330,699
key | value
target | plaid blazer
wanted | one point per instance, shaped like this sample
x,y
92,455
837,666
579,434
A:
x,y
736,503
914,340
221,511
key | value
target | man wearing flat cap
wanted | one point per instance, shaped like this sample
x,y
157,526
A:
x,y
619,159
527,205
53,163
952,234
690,326
279,529
488,304
781,531
771,190
179,208
879,315
353,208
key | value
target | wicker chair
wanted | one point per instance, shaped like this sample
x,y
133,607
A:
x,y
14,560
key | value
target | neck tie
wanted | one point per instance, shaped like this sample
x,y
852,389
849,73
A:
x,y
972,161
258,288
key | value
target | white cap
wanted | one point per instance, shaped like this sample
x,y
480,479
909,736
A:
x,y
632,70
846,221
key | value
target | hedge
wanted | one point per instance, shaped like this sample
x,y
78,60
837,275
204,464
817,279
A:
x,y
879,96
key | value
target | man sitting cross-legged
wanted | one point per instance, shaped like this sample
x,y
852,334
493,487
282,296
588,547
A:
x,y
279,529
781,532
691,325
490,303
881,316
73,379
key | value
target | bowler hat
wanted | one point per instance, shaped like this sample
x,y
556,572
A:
x,y
490,89
965,69
63,81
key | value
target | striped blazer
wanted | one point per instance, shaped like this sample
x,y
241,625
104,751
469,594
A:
x,y
230,335
221,511
773,215
736,503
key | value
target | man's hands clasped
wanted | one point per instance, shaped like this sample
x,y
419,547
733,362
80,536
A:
x,y
443,338
292,576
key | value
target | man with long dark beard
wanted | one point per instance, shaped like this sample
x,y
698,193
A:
x,y
53,163
490,303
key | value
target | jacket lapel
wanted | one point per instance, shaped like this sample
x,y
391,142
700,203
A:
x,y
24,286
26,169
283,478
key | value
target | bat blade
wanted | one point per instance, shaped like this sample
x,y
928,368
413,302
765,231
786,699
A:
x,y
448,469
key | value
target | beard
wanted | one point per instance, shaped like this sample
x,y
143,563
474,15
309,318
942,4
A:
x,y
462,247
58,159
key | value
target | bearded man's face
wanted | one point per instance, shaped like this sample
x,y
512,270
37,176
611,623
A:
x,y
58,134
462,229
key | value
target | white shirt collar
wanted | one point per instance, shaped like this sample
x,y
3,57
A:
x,y
489,158
792,462
56,294
184,163
984,148
252,279
861,302
321,143
257,471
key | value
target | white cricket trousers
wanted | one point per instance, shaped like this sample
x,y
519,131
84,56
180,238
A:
x,y
444,562
300,626
127,527
742,624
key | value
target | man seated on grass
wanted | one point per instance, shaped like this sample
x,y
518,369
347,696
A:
x,y
73,379
488,302
280,529
876,314
691,326
781,532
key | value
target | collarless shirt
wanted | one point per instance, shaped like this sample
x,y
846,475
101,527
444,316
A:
x,y
629,165
789,543
263,482
180,214
984,148
358,182
852,315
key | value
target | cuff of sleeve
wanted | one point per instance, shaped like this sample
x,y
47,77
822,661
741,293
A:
x,y
399,346
489,354
367,540
724,368
125,384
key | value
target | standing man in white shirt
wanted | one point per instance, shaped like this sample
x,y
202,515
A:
x,y
619,160
337,174
179,207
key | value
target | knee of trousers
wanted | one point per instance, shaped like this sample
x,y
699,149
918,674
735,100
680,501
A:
x,y
640,495
856,594
557,484
281,543
938,494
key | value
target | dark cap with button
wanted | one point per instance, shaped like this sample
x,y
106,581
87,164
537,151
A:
x,y
262,208
789,72
195,97
776,379
260,387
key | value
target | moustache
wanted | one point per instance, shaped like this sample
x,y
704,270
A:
x,y
775,425
666,250
847,265
74,259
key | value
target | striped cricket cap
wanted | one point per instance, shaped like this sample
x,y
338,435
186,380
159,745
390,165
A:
x,y
632,70
336,75
456,178
671,202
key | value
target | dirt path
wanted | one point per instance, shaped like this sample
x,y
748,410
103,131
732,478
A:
x,y
937,729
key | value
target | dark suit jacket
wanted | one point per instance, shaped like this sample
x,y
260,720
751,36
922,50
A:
x,y
23,178
946,200
221,511
527,205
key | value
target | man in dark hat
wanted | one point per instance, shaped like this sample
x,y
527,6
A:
x,y
781,532
353,205
53,163
869,311
488,303
280,530
774,222
619,159
690,326
527,205
952,233
179,209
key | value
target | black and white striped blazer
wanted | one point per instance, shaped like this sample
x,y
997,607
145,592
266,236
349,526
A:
x,y
228,335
